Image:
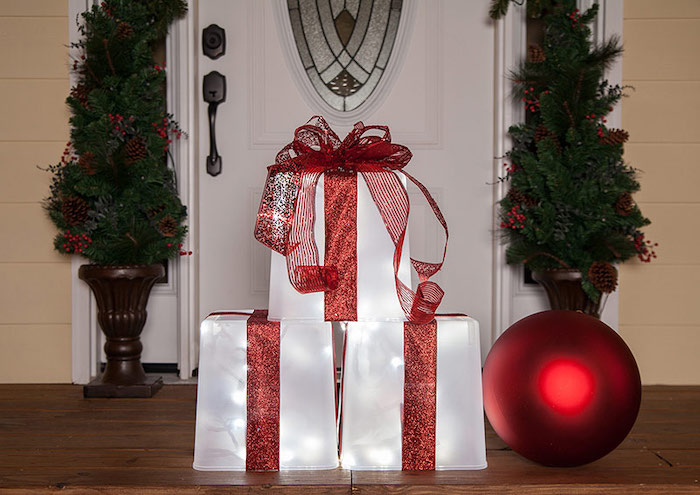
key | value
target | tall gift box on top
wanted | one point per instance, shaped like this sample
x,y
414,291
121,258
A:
x,y
335,214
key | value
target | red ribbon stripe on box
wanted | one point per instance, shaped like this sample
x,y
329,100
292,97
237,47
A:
x,y
263,393
286,217
419,396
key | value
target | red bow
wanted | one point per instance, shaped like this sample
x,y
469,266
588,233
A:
x,y
317,149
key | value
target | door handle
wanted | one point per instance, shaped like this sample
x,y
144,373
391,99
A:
x,y
214,92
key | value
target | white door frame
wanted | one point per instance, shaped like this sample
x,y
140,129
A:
x,y
509,48
180,62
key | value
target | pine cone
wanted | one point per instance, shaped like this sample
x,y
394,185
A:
x,y
536,54
135,150
154,212
168,226
603,276
517,197
80,93
625,204
542,132
86,162
124,31
75,210
615,136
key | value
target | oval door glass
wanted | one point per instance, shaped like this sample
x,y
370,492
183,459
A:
x,y
345,45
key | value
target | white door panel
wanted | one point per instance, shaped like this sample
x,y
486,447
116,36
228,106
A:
x,y
440,105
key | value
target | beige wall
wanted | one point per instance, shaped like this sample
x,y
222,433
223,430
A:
x,y
35,305
658,316
659,302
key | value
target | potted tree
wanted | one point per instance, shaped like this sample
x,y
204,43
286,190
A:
x,y
569,215
113,196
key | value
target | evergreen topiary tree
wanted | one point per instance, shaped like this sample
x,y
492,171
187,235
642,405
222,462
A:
x,y
570,199
113,197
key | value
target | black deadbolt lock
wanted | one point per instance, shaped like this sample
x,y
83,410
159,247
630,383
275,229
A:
x,y
214,41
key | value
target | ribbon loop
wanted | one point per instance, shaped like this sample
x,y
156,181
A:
x,y
316,150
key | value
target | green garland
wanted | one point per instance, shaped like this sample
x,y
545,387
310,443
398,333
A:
x,y
569,202
113,196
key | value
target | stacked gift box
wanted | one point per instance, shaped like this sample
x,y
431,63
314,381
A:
x,y
335,214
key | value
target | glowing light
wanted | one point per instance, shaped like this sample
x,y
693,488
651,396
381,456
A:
x,y
312,443
347,461
286,455
396,361
238,397
567,386
381,457
239,423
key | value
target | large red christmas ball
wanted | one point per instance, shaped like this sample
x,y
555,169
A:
x,y
561,388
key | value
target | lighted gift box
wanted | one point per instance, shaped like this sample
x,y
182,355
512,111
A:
x,y
412,397
376,288
335,214
266,394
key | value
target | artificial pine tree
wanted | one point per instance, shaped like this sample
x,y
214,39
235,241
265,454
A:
x,y
114,173
570,203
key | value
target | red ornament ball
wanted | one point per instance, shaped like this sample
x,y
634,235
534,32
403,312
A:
x,y
561,388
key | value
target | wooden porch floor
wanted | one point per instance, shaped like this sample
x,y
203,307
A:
x,y
51,439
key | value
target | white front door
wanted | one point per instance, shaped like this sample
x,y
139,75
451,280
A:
x,y
439,104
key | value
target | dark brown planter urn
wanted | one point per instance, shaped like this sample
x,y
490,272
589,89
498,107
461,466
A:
x,y
122,293
564,291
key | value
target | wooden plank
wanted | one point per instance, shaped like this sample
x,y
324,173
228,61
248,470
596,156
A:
x,y
172,439
77,476
86,458
51,438
629,468
58,393
181,490
523,489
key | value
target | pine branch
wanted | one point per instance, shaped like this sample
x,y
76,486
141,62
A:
x,y
109,57
498,8
548,255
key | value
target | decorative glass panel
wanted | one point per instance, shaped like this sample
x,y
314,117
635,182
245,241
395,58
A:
x,y
344,45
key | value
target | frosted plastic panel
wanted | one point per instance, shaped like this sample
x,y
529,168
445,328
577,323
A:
x,y
376,289
307,396
373,376
459,429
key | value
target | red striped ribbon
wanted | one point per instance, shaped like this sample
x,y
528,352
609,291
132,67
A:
x,y
419,396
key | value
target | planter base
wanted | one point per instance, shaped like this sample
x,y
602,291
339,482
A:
x,y
98,389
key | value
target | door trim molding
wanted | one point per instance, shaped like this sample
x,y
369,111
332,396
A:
x,y
510,47
83,338
181,101
180,59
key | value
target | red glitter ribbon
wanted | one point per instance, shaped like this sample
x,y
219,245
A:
x,y
263,393
419,396
286,217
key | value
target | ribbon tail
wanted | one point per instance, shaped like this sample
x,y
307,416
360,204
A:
x,y
393,204
303,266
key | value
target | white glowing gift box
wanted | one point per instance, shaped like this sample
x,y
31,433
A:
x,y
286,418
412,400
335,213
376,288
